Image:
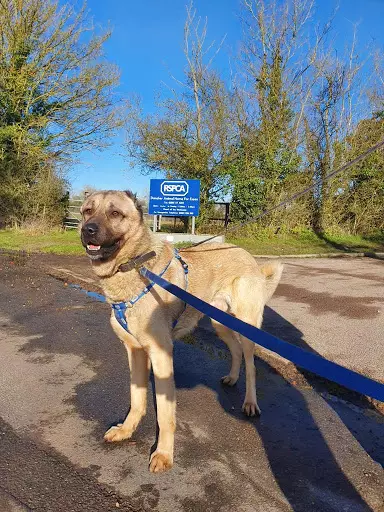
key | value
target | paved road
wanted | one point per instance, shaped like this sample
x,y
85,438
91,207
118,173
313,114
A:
x,y
64,381
336,307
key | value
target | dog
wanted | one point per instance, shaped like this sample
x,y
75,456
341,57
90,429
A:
x,y
114,235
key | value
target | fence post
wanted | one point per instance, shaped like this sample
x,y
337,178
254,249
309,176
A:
x,y
226,220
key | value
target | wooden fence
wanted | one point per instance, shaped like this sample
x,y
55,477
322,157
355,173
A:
x,y
221,216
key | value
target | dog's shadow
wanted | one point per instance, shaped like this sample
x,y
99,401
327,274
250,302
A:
x,y
301,460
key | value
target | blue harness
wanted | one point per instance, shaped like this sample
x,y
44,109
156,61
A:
x,y
119,308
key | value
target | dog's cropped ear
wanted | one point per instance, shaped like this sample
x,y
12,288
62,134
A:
x,y
136,202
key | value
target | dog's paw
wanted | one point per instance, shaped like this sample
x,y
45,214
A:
x,y
117,433
251,409
228,380
160,461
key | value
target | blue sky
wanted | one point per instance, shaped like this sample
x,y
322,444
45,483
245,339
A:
x,y
147,46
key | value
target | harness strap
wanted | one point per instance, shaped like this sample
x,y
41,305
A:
x,y
120,308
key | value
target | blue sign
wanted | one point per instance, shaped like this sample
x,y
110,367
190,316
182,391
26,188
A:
x,y
175,198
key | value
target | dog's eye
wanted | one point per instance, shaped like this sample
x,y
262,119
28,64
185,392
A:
x,y
87,211
116,214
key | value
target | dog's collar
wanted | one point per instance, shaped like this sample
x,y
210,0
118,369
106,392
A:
x,y
136,262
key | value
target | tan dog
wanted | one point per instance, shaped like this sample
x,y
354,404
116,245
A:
x,y
113,233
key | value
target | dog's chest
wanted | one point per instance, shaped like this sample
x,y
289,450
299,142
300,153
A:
x,y
122,287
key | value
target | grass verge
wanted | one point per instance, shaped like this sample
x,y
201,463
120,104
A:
x,y
305,242
54,242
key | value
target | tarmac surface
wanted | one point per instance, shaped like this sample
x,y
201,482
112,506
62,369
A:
x,y
64,380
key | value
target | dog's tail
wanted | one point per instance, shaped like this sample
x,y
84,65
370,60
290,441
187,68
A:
x,y
272,272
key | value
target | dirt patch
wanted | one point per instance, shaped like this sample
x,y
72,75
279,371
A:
x,y
330,271
324,302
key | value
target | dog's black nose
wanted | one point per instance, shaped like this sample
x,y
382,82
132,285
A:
x,y
91,228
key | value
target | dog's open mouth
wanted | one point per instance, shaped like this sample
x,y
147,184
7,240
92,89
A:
x,y
92,248
101,252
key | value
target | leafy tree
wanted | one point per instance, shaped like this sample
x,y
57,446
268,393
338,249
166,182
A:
x,y
56,99
359,205
330,119
267,154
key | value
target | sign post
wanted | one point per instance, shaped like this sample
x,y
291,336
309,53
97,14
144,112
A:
x,y
175,198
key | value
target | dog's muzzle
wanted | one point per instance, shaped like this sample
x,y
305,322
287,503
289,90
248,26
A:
x,y
97,246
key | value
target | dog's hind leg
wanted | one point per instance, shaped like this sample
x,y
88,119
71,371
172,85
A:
x,y
250,405
248,305
232,340
139,365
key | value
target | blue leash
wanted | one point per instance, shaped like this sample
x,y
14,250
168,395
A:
x,y
296,355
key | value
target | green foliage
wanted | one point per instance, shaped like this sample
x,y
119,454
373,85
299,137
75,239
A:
x,y
247,197
267,156
55,100
358,205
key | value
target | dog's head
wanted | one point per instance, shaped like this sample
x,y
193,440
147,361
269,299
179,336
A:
x,y
109,219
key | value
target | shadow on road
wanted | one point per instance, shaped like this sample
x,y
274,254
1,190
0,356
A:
x,y
278,326
300,458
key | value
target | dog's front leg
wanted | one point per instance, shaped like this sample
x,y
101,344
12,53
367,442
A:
x,y
162,365
139,365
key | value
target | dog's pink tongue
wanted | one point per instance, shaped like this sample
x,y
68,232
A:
x,y
93,247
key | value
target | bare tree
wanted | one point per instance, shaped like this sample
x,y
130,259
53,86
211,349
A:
x,y
331,116
192,136
301,103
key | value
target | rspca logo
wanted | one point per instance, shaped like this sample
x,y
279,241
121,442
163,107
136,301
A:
x,y
174,188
